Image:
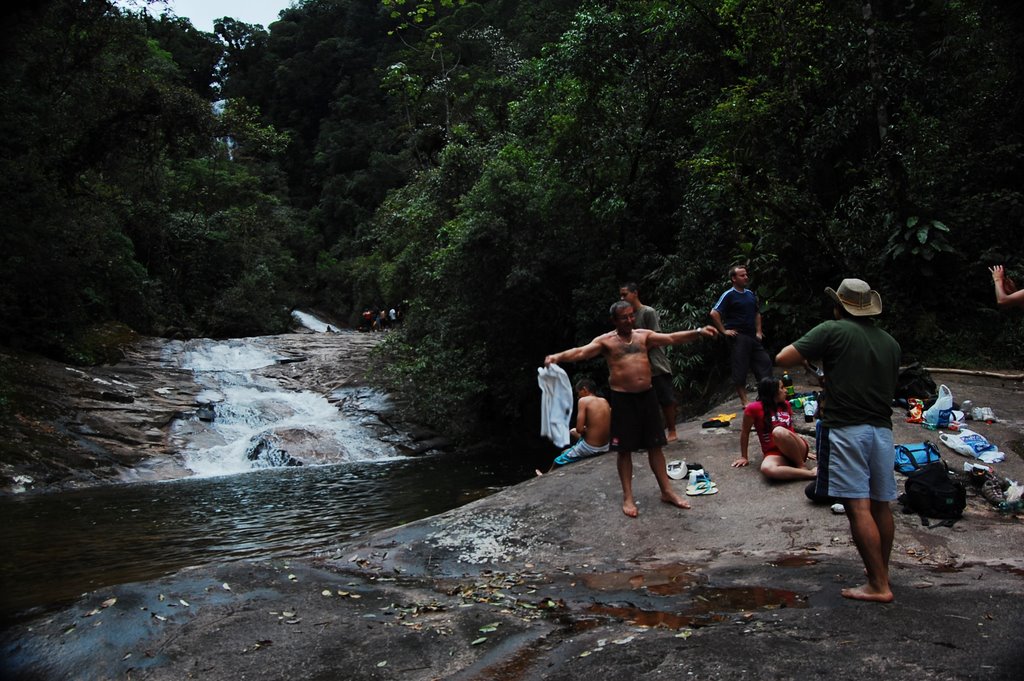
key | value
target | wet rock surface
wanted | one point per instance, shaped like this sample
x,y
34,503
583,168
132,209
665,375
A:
x,y
68,427
549,580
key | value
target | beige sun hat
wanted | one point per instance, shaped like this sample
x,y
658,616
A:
x,y
857,298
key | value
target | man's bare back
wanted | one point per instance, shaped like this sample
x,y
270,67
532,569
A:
x,y
594,420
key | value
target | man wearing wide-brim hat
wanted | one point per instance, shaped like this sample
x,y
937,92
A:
x,y
856,455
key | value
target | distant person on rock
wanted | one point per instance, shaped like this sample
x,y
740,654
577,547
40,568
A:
x,y
636,417
661,368
1007,294
737,316
593,426
771,417
856,454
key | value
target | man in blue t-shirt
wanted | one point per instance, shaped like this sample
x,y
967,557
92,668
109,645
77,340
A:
x,y
737,317
855,454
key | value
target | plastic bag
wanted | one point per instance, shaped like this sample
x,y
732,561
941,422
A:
x,y
972,444
938,414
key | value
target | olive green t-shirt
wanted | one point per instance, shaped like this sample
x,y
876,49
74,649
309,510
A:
x,y
647,318
861,363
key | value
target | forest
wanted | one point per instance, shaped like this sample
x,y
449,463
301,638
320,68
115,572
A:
x,y
500,168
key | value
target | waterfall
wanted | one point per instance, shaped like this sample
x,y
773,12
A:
x,y
310,322
245,421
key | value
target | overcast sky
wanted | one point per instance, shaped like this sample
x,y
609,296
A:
x,y
202,12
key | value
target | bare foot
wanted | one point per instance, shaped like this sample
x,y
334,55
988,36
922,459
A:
x,y
672,437
630,509
866,574
867,593
675,500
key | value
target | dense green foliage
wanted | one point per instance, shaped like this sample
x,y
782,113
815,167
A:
x,y
502,167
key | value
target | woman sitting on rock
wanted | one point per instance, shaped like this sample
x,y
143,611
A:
x,y
771,416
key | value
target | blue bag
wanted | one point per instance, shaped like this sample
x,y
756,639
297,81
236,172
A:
x,y
914,456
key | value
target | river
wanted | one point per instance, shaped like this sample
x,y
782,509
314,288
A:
x,y
58,546
274,469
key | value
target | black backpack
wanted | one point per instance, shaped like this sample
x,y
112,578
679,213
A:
x,y
932,492
915,381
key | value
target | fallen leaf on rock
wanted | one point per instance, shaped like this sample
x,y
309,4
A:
x,y
183,602
159,617
225,586
288,614
294,621
623,641
94,611
107,603
687,633
293,578
326,592
382,663
479,641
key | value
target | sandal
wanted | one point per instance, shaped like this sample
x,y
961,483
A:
x,y
700,485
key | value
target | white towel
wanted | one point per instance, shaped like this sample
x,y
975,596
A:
x,y
555,405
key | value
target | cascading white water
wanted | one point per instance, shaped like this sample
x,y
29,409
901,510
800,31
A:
x,y
310,322
247,421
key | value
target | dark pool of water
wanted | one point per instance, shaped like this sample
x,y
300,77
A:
x,y
58,546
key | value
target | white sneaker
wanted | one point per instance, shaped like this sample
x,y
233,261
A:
x,y
838,509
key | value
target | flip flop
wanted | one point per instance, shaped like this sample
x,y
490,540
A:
x,y
701,488
700,484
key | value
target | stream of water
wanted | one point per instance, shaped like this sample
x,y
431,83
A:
x,y
58,546
249,498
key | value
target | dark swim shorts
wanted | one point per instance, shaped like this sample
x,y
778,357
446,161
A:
x,y
636,421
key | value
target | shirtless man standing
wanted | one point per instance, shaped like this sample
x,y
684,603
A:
x,y
636,416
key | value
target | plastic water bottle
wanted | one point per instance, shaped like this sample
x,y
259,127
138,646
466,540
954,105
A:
x,y
966,407
810,409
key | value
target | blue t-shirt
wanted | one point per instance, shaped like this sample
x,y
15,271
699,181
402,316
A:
x,y
739,311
